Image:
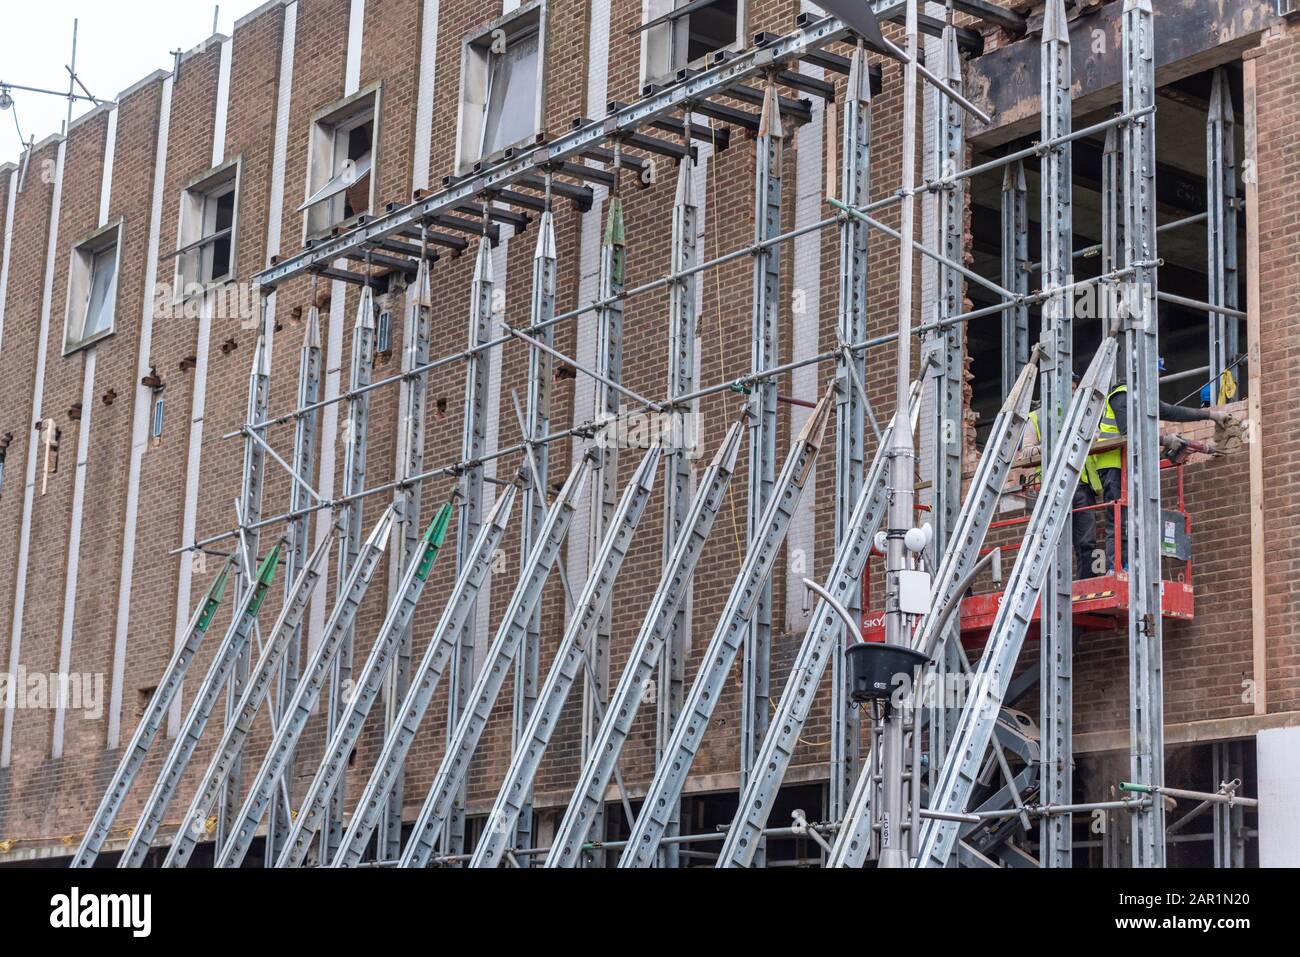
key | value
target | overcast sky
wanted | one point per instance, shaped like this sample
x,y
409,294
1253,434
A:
x,y
118,43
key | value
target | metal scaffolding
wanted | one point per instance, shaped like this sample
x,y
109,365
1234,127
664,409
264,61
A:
x,y
880,807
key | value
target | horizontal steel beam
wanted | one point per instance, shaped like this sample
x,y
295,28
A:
x,y
748,66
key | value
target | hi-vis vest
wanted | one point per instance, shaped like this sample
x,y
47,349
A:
x,y
1109,429
1091,463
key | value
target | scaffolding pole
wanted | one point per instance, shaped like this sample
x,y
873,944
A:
x,y
1057,630
1142,351
850,404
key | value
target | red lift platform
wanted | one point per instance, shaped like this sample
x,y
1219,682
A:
x,y
1101,603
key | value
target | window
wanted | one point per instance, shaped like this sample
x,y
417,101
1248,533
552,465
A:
x,y
684,33
209,209
92,288
501,85
341,167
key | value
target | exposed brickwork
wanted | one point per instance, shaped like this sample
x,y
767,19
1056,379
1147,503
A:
x,y
42,799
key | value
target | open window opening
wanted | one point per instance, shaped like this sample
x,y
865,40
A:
x,y
502,86
1199,143
92,288
341,170
684,34
209,213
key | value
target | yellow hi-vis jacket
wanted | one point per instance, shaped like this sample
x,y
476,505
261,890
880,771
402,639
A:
x,y
1093,462
1109,429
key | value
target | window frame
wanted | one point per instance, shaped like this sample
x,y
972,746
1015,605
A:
x,y
323,145
475,71
204,189
654,39
81,285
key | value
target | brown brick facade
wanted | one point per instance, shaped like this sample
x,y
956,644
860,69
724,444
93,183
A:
x,y
43,800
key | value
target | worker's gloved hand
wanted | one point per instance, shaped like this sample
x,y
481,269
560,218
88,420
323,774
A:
x,y
1222,417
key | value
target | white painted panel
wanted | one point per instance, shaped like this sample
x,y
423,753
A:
x,y
106,180
8,241
139,426
329,434
279,154
805,310
424,96
356,29
1277,754
29,484
223,104
73,567
584,393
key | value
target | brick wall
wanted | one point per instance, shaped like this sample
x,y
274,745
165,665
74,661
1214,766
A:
x,y
42,799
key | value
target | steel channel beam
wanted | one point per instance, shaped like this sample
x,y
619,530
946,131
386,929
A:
x,y
424,682
512,799
825,632
854,838
196,719
298,540
749,65
137,749
682,327
250,512
369,686
765,352
850,404
1057,645
1015,273
1222,203
1024,585
415,355
537,414
263,676
333,640
651,644
949,347
356,440
604,492
1142,352
449,779
470,520
670,776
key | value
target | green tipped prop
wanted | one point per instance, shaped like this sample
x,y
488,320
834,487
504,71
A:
x,y
434,536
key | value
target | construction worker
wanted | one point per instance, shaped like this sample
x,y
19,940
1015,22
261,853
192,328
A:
x,y
1087,494
1108,469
